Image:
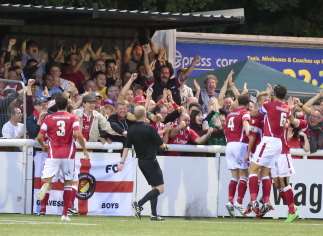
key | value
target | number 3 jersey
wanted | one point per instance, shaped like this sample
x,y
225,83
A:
x,y
233,129
59,128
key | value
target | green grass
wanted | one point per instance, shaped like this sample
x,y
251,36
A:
x,y
25,225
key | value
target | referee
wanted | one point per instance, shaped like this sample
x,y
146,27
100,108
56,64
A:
x,y
146,142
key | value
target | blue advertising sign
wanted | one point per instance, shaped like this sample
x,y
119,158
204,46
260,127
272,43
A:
x,y
302,63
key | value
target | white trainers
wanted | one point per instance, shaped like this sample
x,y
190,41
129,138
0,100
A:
x,y
65,218
239,207
42,191
230,208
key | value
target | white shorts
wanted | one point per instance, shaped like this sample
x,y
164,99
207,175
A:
x,y
283,166
267,151
235,153
54,166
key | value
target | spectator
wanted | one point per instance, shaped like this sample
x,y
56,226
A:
x,y
315,122
14,129
90,86
101,81
120,123
113,74
209,91
181,133
133,57
196,121
31,52
72,72
9,97
113,94
92,123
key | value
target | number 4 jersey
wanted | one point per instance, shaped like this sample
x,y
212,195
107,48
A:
x,y
59,128
234,125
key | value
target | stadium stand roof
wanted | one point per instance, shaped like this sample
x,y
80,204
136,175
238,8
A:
x,y
20,15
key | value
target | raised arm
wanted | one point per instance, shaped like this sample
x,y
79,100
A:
x,y
223,92
127,86
184,75
148,69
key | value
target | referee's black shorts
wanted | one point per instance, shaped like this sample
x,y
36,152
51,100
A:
x,y
152,172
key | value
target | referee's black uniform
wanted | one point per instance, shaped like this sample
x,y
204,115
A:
x,y
146,142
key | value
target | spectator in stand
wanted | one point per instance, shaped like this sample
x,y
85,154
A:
x,y
92,123
59,82
99,65
29,71
36,109
133,57
145,73
315,121
30,51
113,73
181,133
13,129
113,94
90,86
10,98
196,123
209,91
186,93
166,82
72,71
101,81
120,123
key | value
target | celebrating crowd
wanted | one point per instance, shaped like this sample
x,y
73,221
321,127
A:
x,y
103,89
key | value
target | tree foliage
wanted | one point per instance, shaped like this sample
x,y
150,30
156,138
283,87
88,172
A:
x,y
268,17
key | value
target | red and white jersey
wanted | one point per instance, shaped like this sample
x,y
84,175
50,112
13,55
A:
x,y
256,129
276,115
303,126
59,127
184,136
233,129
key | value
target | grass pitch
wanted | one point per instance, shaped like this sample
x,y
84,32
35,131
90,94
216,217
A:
x,y
25,225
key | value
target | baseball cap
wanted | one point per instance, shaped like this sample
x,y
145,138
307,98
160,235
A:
x,y
8,91
91,97
108,101
139,99
40,100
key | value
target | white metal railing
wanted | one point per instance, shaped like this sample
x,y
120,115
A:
x,y
171,147
33,143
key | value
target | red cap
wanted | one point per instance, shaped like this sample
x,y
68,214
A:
x,y
139,99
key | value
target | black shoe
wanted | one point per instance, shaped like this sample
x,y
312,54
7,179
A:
x,y
72,212
156,218
266,207
137,209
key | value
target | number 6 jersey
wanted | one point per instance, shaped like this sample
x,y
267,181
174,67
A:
x,y
276,115
59,128
233,129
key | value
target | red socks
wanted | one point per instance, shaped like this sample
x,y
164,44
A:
x,y
67,197
232,189
253,186
288,197
266,188
43,204
74,191
242,188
